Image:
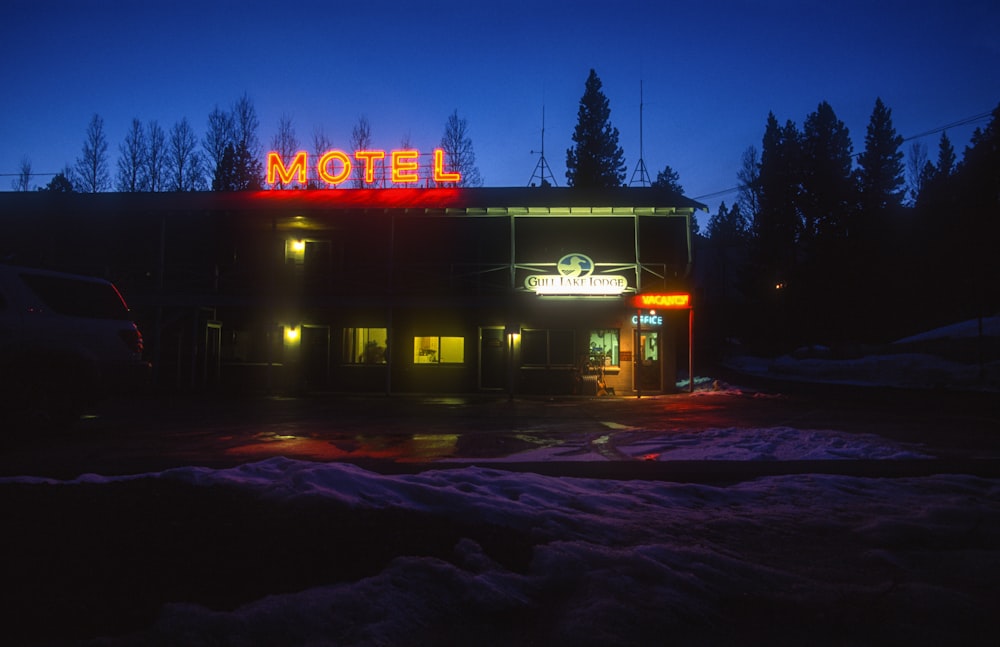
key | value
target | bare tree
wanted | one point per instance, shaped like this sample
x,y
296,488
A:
x,y
156,157
132,159
915,173
284,141
92,165
457,146
217,137
361,140
321,144
23,180
240,167
748,198
183,163
245,125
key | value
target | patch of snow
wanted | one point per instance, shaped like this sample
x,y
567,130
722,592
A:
x,y
906,561
961,330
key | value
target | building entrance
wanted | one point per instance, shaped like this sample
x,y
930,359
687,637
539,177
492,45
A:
x,y
650,376
492,359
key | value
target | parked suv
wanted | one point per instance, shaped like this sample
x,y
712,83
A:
x,y
65,341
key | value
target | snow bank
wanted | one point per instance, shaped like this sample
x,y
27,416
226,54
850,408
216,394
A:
x,y
794,560
895,369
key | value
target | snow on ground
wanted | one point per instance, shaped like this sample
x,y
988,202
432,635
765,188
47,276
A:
x,y
895,369
787,560
806,559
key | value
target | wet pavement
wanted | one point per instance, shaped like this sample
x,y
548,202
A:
x,y
577,435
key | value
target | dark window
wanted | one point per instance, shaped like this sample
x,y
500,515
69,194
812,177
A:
x,y
547,348
77,298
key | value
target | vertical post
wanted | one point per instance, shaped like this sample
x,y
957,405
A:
x,y
637,355
389,303
691,350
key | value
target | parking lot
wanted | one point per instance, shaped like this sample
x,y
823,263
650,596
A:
x,y
399,433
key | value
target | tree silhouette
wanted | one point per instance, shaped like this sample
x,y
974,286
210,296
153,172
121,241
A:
x,y
61,183
184,164
596,160
284,142
132,154
92,165
156,157
880,165
668,178
827,196
457,146
23,180
233,145
361,140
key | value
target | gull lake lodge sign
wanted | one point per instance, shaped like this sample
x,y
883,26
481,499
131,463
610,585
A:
x,y
576,277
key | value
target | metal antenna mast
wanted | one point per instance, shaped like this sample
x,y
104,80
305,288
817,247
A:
x,y
542,170
640,167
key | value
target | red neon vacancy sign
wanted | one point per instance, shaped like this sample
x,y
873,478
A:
x,y
335,166
662,301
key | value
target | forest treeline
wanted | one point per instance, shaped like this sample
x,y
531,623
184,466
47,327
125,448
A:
x,y
825,245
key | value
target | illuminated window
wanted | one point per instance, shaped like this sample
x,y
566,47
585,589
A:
x,y
603,350
547,348
365,345
438,350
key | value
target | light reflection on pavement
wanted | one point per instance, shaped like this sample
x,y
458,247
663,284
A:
x,y
159,433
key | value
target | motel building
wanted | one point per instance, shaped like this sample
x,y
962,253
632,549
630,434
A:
x,y
520,291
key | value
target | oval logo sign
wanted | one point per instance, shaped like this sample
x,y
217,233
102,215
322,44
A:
x,y
574,265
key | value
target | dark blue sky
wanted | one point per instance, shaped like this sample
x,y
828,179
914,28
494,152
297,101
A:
x,y
711,72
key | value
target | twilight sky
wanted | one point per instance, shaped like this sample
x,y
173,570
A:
x,y
710,71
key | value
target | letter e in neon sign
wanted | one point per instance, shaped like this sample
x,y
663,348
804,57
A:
x,y
404,166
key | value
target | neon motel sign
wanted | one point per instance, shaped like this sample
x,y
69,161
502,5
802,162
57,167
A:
x,y
335,166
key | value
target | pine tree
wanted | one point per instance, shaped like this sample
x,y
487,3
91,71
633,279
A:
x,y
668,178
776,227
596,160
880,172
827,190
946,157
